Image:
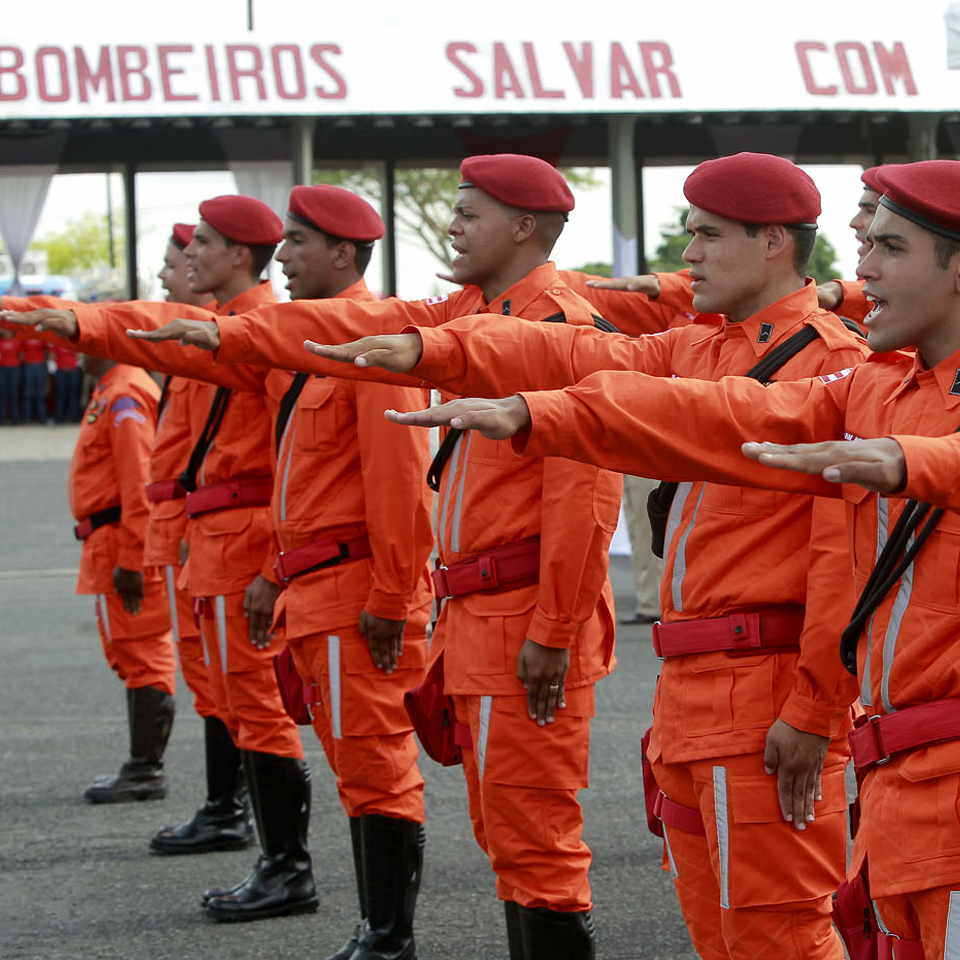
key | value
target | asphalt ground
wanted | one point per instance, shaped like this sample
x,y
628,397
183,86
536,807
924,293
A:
x,y
77,881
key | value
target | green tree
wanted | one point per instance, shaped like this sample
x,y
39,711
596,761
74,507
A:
x,y
423,198
673,240
596,267
82,245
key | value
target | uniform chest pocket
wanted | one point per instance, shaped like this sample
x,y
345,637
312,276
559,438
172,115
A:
x,y
744,501
319,417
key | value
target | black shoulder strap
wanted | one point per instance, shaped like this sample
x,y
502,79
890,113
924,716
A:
x,y
217,409
660,499
435,470
851,325
777,357
164,393
287,404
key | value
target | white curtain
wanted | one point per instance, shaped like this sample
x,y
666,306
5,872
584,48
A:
x,y
23,191
269,181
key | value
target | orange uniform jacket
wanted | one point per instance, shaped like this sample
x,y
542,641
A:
x,y
487,496
909,821
728,548
227,547
635,313
110,466
171,451
335,434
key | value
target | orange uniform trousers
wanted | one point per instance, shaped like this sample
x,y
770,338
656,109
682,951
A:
x,y
193,660
139,647
931,916
738,885
522,785
359,716
243,683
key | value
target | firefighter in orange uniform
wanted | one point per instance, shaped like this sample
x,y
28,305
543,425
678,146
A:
x,y
716,737
527,619
901,410
846,296
228,486
223,821
106,488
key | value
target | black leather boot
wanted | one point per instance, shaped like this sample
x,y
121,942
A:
x,y
150,717
223,822
281,882
347,951
551,935
511,911
392,852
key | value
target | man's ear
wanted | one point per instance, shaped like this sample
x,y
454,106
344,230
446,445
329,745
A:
x,y
776,239
524,227
344,254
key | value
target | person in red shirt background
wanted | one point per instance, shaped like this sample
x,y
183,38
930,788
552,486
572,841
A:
x,y
66,385
34,381
11,353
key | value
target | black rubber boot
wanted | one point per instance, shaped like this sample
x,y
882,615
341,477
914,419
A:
x,y
223,822
551,935
347,951
392,852
281,882
511,911
150,717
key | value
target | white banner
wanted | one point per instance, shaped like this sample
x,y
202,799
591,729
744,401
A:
x,y
657,64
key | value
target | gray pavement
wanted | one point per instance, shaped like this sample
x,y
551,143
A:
x,y
77,881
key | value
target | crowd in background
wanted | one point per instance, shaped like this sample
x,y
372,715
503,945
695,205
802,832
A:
x,y
39,383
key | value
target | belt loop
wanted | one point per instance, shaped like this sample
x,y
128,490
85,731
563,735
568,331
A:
x,y
487,568
874,723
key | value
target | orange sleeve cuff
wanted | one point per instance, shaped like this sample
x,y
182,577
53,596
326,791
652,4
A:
x,y
551,633
389,606
813,717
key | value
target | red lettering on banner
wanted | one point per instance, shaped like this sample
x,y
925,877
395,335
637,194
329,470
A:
x,y
505,78
12,69
894,66
804,48
453,52
318,52
658,61
167,71
857,69
847,55
43,54
91,81
212,73
622,76
534,70
293,51
133,63
254,71
582,66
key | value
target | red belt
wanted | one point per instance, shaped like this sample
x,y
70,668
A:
x,y
161,490
318,555
230,494
676,815
203,610
507,567
876,739
772,630
96,520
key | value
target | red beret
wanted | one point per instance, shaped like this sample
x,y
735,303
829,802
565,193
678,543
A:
x,y
870,178
520,181
336,211
182,234
243,220
926,193
754,188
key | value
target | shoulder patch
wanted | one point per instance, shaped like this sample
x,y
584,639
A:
x,y
839,375
126,408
